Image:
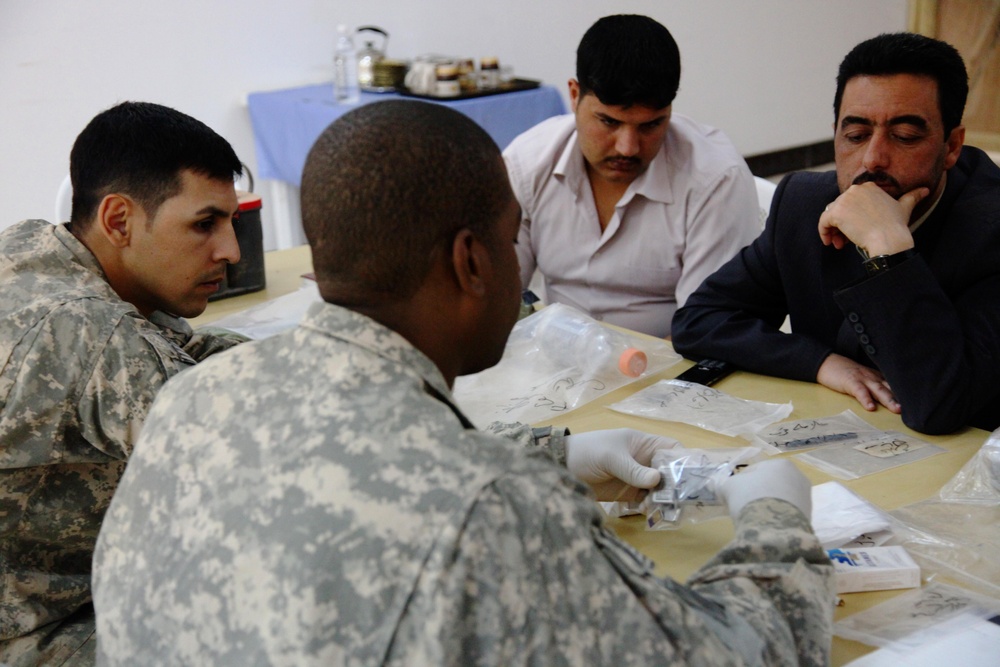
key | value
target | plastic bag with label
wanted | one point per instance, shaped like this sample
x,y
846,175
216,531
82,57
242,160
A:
x,y
869,453
841,429
705,407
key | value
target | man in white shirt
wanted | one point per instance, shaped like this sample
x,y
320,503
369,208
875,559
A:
x,y
627,207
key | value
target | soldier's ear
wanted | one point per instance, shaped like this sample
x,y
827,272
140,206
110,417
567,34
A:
x,y
470,260
115,214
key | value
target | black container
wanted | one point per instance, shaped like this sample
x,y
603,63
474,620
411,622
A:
x,y
246,275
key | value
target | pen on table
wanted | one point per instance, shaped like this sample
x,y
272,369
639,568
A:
x,y
818,440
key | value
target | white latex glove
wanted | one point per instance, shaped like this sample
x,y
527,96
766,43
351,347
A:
x,y
777,478
614,463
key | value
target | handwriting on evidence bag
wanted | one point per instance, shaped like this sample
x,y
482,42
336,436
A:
x,y
888,447
556,402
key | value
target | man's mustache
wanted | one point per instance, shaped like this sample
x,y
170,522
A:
x,y
879,178
623,159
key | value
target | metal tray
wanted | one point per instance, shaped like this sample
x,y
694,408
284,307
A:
x,y
511,86
380,89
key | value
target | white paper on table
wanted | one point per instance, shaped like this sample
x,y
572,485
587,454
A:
x,y
839,516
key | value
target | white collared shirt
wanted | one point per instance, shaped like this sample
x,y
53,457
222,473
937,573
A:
x,y
692,209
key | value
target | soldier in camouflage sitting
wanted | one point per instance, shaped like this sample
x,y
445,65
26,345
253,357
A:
x,y
318,498
90,330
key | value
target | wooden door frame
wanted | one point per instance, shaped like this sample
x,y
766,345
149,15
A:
x,y
923,19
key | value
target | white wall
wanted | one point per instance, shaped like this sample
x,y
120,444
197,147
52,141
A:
x,y
763,69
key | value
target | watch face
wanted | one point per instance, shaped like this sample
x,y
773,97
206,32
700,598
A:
x,y
875,264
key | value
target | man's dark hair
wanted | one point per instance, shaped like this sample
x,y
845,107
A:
x,y
139,149
909,53
388,184
629,59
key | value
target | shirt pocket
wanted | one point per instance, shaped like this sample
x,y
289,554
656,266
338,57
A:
x,y
650,280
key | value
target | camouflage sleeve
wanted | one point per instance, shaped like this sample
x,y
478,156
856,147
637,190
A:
x,y
199,344
550,440
776,574
130,371
535,579
207,341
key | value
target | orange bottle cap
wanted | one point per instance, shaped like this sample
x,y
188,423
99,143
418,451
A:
x,y
632,362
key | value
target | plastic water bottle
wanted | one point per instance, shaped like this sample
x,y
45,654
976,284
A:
x,y
345,69
596,350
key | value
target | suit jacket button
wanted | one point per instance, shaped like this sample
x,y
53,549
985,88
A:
x,y
852,317
864,339
870,349
860,328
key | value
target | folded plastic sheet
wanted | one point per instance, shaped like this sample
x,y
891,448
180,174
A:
x,y
958,533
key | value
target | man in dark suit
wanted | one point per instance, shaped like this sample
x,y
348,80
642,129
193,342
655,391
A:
x,y
889,268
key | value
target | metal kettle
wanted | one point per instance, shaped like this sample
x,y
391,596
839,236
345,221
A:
x,y
369,55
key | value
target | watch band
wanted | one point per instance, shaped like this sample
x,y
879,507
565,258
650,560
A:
x,y
882,263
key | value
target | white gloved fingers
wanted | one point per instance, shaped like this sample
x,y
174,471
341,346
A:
x,y
633,473
644,445
602,450
614,461
777,478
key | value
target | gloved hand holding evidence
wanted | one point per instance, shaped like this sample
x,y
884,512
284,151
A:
x,y
777,478
615,462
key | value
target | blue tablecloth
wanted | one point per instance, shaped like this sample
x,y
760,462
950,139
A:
x,y
287,122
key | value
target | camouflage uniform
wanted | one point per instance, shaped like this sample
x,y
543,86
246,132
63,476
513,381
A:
x,y
316,498
79,369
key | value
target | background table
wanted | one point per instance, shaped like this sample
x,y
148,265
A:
x,y
679,553
287,122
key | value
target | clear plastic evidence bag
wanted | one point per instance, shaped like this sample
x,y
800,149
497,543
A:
x,y
556,360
